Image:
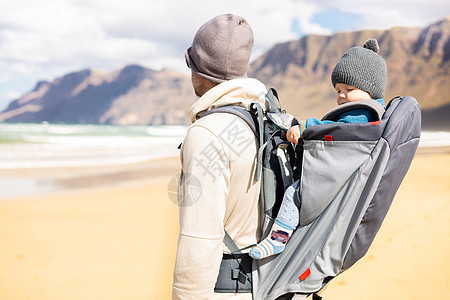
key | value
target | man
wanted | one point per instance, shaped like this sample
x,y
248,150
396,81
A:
x,y
217,190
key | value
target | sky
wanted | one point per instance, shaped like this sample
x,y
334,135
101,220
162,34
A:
x,y
46,39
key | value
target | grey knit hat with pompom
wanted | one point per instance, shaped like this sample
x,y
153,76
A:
x,y
362,68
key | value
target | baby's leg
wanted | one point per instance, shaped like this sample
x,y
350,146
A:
x,y
289,212
286,221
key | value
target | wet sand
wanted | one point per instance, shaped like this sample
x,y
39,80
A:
x,y
93,240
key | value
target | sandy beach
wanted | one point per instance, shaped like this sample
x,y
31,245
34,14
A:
x,y
93,240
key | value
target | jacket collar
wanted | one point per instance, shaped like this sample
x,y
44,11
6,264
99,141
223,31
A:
x,y
237,92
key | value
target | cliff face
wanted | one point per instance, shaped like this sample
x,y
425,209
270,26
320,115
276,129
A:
x,y
418,61
132,95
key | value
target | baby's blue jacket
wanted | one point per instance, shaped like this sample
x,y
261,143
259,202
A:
x,y
353,116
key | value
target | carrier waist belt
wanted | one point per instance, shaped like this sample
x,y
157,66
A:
x,y
235,274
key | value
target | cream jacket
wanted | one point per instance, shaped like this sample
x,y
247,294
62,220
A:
x,y
217,189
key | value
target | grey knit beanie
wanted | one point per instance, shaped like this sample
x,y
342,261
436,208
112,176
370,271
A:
x,y
221,49
362,68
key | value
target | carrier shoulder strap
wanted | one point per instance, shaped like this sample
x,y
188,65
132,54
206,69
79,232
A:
x,y
376,109
241,112
247,117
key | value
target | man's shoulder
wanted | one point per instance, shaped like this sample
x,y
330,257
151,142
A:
x,y
224,128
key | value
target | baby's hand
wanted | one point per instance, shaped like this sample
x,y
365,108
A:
x,y
293,134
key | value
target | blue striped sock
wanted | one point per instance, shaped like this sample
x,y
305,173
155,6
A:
x,y
274,243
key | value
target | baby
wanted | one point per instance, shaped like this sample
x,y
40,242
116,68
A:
x,y
360,74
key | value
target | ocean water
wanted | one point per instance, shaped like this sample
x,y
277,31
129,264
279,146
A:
x,y
27,146
24,145
434,139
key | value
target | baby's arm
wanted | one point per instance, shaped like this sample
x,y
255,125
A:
x,y
293,134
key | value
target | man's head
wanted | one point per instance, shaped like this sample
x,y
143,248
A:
x,y
201,85
221,49
362,68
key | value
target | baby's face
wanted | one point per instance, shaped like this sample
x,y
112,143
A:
x,y
347,93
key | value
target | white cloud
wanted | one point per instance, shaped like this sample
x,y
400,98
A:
x,y
388,13
47,38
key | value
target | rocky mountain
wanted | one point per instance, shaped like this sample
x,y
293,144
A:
x,y
131,95
418,61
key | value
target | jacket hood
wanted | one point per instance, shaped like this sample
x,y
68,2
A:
x,y
238,92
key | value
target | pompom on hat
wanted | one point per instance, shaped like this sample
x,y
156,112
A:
x,y
221,49
362,68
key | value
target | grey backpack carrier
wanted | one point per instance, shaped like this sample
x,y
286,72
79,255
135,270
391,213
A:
x,y
349,174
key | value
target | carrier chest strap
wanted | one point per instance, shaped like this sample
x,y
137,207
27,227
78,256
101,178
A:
x,y
234,249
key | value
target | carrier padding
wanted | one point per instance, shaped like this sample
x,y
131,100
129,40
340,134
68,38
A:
x,y
402,134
